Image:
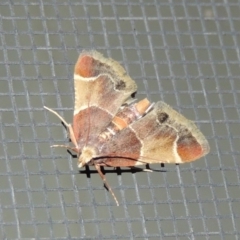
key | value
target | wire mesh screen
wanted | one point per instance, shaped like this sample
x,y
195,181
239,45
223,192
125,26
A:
x,y
185,53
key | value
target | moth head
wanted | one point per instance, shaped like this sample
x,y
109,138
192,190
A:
x,y
87,154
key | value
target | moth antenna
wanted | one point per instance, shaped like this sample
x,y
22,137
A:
x,y
106,183
69,126
143,160
55,113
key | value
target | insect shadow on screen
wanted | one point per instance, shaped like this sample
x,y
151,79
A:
x,y
117,170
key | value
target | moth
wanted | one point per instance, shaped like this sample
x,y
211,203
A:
x,y
111,129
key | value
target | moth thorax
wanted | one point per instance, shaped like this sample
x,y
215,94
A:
x,y
88,153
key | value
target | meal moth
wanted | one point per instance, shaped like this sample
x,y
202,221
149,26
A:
x,y
110,129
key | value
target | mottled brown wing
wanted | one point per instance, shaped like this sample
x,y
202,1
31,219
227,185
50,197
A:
x,y
161,136
101,87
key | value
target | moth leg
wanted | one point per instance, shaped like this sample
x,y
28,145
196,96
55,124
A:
x,y
142,169
66,146
69,126
98,168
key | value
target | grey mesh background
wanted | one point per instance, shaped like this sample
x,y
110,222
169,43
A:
x,y
185,53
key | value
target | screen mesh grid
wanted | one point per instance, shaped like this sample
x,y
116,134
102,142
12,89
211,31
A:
x,y
182,52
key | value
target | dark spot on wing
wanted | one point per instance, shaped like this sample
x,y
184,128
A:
x,y
120,85
162,117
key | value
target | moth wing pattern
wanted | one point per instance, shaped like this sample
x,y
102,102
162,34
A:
x,y
102,86
162,135
106,133
175,139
